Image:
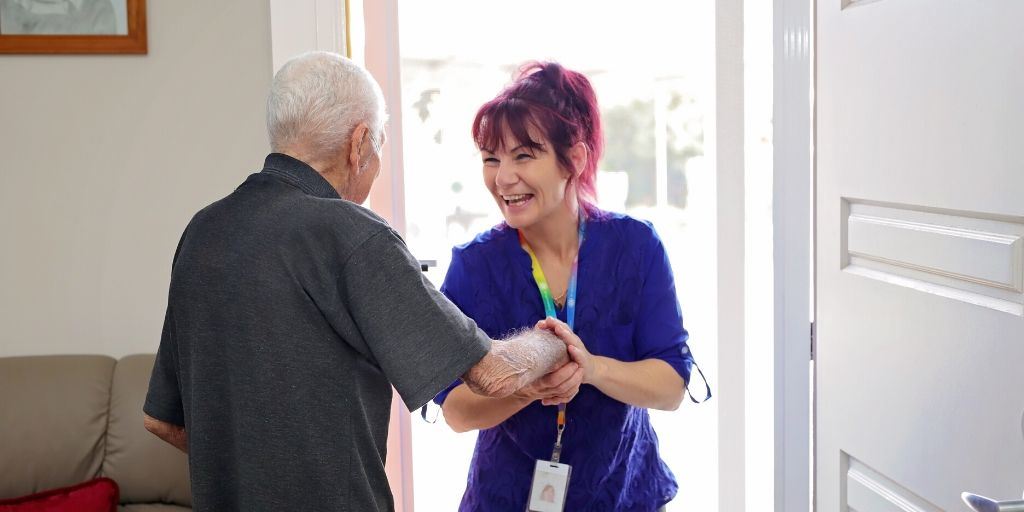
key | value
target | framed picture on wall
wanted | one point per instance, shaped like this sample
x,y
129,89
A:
x,y
73,26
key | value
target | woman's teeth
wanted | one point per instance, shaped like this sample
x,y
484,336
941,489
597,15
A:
x,y
516,199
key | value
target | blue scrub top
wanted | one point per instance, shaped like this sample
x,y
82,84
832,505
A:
x,y
626,309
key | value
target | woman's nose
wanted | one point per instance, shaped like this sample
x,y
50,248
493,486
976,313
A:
x,y
505,176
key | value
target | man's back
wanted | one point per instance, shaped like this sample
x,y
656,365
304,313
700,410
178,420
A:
x,y
283,346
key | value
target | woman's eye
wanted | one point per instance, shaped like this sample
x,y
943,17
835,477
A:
x,y
523,156
490,161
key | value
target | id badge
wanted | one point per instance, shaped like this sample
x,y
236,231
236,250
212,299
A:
x,y
549,488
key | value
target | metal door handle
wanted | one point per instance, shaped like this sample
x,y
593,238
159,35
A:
x,y
983,504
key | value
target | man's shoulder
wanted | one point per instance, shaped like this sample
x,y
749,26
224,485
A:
x,y
350,215
305,211
287,214
337,224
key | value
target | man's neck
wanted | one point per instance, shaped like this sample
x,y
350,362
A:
x,y
334,173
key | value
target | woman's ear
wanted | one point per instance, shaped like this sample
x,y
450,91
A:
x,y
578,155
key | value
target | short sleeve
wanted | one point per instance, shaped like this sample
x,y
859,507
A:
x,y
419,338
163,400
455,288
660,333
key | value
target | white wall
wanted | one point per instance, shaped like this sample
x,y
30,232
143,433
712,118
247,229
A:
x,y
104,159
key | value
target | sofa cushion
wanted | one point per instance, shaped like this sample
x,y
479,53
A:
x,y
53,422
98,495
147,469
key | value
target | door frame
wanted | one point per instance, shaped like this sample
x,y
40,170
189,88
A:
x,y
792,215
792,201
725,135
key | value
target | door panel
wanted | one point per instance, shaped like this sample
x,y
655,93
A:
x,y
919,226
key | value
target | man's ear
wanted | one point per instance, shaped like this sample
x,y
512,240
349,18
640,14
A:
x,y
356,146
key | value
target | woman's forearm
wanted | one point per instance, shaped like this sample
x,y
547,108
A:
x,y
465,410
650,383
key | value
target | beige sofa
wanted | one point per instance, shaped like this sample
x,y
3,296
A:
x,y
68,419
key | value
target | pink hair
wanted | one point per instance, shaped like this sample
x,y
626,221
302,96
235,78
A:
x,y
558,102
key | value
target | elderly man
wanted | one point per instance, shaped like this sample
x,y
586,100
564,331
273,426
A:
x,y
293,310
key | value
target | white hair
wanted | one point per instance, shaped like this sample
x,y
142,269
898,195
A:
x,y
317,99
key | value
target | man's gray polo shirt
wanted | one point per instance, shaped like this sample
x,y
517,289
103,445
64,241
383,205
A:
x,y
291,313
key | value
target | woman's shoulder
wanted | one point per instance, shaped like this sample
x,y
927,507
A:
x,y
622,226
486,243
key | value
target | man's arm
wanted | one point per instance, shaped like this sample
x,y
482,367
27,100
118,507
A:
x,y
515,362
173,434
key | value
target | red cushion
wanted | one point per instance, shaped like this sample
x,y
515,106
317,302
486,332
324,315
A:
x,y
99,495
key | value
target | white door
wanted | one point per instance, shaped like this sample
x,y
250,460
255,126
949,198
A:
x,y
920,256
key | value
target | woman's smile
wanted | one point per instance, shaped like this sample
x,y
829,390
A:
x,y
517,202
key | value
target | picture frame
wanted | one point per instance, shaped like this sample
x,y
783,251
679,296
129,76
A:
x,y
73,27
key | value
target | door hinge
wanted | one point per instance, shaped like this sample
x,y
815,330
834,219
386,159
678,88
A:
x,y
812,341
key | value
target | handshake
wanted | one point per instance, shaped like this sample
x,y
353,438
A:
x,y
546,363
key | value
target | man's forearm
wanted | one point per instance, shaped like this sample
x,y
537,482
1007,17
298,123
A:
x,y
174,435
515,362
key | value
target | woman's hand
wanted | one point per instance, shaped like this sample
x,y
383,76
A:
x,y
650,383
557,387
590,364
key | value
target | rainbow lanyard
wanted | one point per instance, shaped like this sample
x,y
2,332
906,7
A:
x,y
549,309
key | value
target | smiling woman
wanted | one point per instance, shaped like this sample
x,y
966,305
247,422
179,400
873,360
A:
x,y
654,112
534,173
540,140
527,182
